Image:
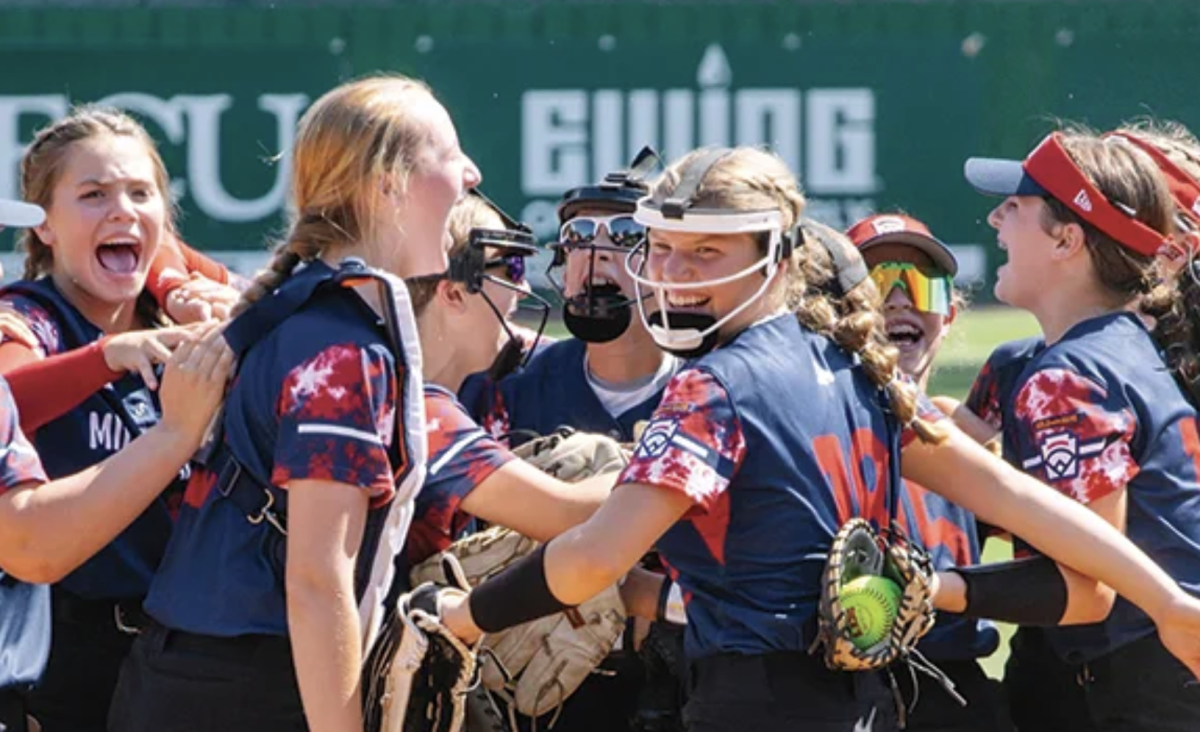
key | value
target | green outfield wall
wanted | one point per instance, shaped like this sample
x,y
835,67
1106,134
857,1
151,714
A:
x,y
876,105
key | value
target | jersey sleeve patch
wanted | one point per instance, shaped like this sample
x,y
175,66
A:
x,y
1075,435
693,443
337,418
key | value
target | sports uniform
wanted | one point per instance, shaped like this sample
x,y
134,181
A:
x,y
24,608
771,485
461,456
97,607
319,395
947,531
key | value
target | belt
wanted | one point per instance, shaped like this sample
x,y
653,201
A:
x,y
124,615
238,647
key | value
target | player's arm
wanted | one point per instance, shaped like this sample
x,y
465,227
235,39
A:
x,y
325,529
101,501
523,498
1055,525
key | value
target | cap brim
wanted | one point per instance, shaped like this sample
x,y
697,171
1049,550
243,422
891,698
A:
x,y
19,213
936,250
1001,178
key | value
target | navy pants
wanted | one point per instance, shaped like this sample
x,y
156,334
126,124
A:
x,y
180,682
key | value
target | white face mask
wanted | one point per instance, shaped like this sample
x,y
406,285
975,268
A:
x,y
693,335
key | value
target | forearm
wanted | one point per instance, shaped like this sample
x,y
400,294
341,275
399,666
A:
x,y
1052,523
46,389
99,502
326,642
530,502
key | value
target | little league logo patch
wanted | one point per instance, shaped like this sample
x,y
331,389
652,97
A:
x,y
1060,453
657,437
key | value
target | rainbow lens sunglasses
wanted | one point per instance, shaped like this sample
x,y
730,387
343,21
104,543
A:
x,y
624,232
928,293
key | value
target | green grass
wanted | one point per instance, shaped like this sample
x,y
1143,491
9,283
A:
x,y
967,346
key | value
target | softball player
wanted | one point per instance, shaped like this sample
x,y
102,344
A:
x,y
743,491
1096,413
914,272
87,388
273,581
610,376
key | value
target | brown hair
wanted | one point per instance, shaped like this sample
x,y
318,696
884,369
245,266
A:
x,y
349,140
43,164
470,213
749,179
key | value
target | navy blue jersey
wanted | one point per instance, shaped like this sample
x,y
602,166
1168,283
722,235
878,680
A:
x,y
316,399
778,438
997,381
1096,413
92,432
551,392
24,608
461,456
950,533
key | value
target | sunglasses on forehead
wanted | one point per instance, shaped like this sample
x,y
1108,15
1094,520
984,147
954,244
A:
x,y
624,232
513,264
929,293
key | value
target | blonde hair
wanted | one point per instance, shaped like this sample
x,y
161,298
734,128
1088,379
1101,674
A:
x,y
47,156
472,212
749,179
354,138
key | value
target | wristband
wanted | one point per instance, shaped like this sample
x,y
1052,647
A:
x,y
1025,591
516,595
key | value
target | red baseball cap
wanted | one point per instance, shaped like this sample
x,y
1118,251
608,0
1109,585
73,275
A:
x,y
1050,171
899,229
19,213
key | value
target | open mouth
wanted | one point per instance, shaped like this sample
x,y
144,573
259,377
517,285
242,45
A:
x,y
119,256
904,335
680,301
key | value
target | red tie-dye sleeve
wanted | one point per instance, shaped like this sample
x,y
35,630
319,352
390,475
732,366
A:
x,y
19,463
336,419
1074,435
693,444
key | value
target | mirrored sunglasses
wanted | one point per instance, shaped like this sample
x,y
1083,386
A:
x,y
929,293
624,232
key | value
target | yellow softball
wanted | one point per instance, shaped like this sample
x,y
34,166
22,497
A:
x,y
870,603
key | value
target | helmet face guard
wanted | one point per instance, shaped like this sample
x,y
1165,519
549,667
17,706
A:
x,y
688,334
599,314
470,268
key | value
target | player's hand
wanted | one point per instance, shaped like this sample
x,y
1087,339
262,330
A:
x,y
1179,630
14,328
454,609
200,299
139,350
194,384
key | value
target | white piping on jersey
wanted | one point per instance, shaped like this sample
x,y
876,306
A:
x,y
1090,448
458,447
691,446
316,428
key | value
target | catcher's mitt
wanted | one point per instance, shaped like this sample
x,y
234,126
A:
x,y
572,456
534,666
417,674
857,551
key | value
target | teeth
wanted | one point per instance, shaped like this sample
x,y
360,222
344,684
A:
x,y
685,301
119,242
601,282
903,329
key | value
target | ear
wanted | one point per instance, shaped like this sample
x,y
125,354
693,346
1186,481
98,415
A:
x,y
452,296
1071,242
948,320
44,234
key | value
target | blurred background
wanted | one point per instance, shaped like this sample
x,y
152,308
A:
x,y
876,103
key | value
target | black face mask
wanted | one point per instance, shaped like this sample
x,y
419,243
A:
x,y
688,321
598,315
